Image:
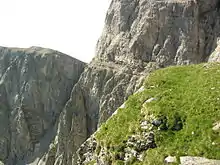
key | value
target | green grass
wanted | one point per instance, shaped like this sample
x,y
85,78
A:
x,y
189,93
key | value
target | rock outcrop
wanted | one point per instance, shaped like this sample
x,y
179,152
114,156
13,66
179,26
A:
x,y
155,122
139,36
35,84
215,56
190,160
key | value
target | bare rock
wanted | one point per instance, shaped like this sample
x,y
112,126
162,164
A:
x,y
215,56
170,159
189,160
150,100
35,84
216,126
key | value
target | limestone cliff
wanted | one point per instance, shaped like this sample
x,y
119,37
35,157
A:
x,y
35,84
139,36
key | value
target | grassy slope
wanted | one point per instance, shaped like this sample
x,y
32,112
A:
x,y
190,92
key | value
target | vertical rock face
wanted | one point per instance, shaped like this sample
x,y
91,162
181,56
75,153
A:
x,y
139,36
164,31
35,84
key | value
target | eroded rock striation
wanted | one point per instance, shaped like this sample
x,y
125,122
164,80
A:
x,y
35,84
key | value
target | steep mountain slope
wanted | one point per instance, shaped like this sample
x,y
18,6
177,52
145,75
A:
x,y
176,112
139,36
35,84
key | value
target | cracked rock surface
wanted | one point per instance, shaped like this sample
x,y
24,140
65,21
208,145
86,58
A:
x,y
35,84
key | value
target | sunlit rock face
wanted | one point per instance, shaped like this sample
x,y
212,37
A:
x,y
139,36
215,56
35,84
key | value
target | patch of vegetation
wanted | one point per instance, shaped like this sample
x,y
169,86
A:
x,y
187,97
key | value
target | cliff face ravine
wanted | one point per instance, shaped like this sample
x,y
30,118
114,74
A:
x,y
35,84
139,36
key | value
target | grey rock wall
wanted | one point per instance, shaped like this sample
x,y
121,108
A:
x,y
35,84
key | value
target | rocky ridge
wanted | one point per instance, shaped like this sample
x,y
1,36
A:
x,y
139,36
35,84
